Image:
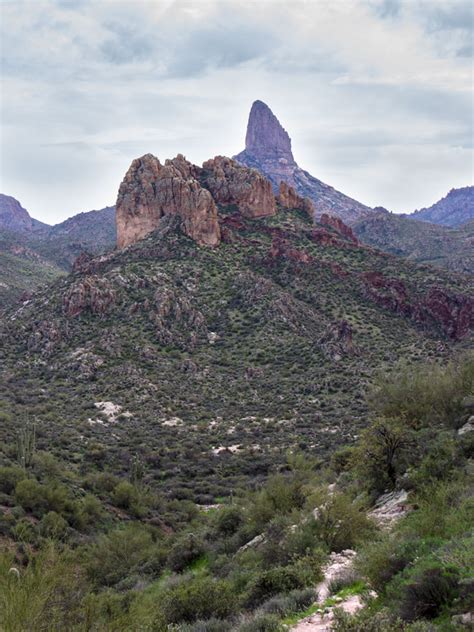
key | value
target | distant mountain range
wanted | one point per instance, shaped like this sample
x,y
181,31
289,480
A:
x,y
456,209
33,253
227,328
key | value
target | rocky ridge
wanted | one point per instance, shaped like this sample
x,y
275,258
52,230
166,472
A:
x,y
151,191
268,149
455,209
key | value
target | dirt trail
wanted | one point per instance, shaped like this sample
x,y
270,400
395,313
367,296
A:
x,y
387,511
321,622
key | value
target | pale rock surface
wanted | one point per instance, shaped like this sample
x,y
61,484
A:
x,y
338,564
468,426
390,507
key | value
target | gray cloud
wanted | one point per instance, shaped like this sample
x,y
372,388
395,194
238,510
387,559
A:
x,y
373,93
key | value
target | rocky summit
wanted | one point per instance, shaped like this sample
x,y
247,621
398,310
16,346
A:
x,y
151,190
268,149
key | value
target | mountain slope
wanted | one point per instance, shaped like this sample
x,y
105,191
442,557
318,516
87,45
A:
x,y
33,253
15,218
22,270
212,362
422,242
455,209
92,231
268,149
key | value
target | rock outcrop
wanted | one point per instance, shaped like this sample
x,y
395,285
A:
x,y
288,198
338,225
151,190
337,341
268,149
453,314
230,183
91,293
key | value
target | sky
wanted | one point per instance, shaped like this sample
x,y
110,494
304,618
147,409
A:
x,y
375,94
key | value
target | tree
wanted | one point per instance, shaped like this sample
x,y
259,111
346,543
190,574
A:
x,y
382,453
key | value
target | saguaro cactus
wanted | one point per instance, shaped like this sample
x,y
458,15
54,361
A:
x,y
26,444
137,471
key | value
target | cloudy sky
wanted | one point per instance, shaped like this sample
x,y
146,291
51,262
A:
x,y
375,94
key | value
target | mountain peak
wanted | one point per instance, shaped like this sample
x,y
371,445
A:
x,y
268,149
266,137
13,216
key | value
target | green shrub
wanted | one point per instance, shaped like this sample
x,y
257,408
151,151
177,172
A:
x,y
229,520
424,395
88,512
281,495
381,560
53,526
445,509
9,477
262,623
124,495
118,554
38,498
30,495
424,590
48,594
196,598
383,453
211,625
368,621
292,602
340,524
271,582
186,550
24,532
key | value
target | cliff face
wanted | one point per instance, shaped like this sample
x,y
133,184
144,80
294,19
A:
x,y
268,149
151,190
266,139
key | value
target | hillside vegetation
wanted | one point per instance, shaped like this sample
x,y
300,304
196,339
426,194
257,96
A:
x,y
84,552
212,363
421,242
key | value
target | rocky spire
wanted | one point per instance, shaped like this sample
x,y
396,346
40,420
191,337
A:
x,y
268,149
265,137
